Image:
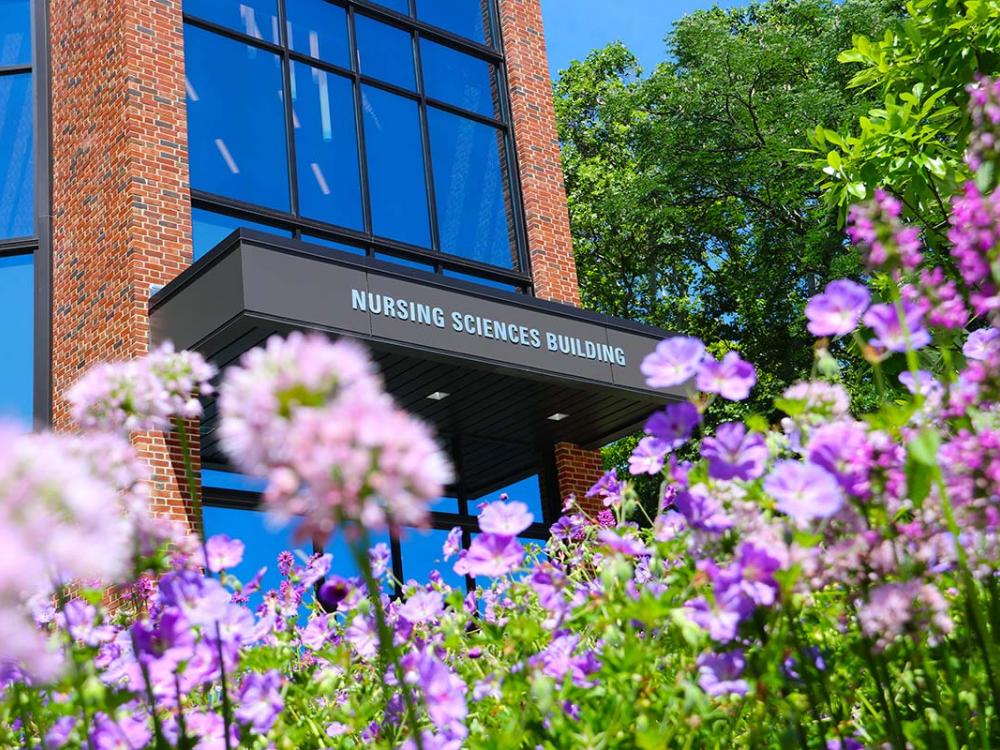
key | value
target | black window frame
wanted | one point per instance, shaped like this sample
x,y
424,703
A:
x,y
440,521
39,245
519,276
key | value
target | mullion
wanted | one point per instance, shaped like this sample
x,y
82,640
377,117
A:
x,y
286,87
359,126
14,70
425,142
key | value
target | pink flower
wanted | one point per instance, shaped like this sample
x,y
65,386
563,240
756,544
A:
x,y
838,309
674,361
423,606
491,555
505,519
224,553
803,491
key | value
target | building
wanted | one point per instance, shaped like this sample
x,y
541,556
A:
x,y
215,171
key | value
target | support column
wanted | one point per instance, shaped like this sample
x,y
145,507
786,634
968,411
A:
x,y
550,242
120,196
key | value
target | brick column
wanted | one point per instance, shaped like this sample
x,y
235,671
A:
x,y
550,243
120,196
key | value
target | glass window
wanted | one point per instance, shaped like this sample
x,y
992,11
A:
x,y
263,540
209,229
319,29
384,52
445,505
460,79
395,167
326,146
527,491
468,18
400,6
421,553
256,18
313,240
480,280
473,205
236,120
405,262
17,346
15,32
17,161
230,480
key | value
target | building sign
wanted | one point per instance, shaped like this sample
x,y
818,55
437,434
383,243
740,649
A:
x,y
462,322
232,297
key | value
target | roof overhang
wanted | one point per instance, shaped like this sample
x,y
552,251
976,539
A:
x,y
508,362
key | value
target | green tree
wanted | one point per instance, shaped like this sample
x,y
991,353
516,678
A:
x,y
911,141
692,202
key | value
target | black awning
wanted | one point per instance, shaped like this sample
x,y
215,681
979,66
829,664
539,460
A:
x,y
519,373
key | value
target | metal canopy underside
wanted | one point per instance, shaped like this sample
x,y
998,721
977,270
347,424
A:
x,y
501,394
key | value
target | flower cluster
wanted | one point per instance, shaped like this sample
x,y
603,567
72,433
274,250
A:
x,y
142,394
311,415
984,109
879,232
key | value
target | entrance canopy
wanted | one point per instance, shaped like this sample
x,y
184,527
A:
x,y
501,375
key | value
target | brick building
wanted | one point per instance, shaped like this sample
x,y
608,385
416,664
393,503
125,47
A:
x,y
217,171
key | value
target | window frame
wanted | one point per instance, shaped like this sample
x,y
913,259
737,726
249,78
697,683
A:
x,y
39,244
441,521
519,275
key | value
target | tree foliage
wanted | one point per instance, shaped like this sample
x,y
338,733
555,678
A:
x,y
690,204
912,140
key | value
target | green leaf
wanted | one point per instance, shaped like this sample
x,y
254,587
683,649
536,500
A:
x,y
924,449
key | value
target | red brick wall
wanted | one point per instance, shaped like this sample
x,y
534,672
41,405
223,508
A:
x,y
550,244
120,203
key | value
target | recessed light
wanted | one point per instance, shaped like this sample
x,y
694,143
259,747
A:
x,y
558,416
438,396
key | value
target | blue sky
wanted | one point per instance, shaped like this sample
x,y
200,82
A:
x,y
575,27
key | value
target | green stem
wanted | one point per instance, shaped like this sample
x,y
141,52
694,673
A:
x,y
885,699
227,710
944,717
387,649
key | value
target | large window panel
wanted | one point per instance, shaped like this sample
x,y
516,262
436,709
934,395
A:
x,y
15,32
17,346
256,18
319,29
385,52
400,6
468,18
236,120
459,79
395,167
326,147
17,157
209,229
475,214
527,491
422,553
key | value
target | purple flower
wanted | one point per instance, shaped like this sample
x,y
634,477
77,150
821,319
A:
x,y
674,361
332,592
755,568
363,637
983,344
559,659
804,491
837,310
984,110
127,732
444,693
423,606
59,732
626,545
733,378
223,552
491,555
452,544
720,624
719,674
648,456
505,519
608,488
260,702
842,449
875,227
702,510
673,425
734,453
884,321
80,621
379,556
